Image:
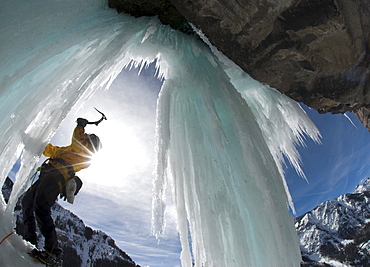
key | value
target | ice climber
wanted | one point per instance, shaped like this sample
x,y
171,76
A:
x,y
57,176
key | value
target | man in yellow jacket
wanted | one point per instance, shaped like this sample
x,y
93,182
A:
x,y
60,169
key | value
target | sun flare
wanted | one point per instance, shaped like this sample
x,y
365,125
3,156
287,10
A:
x,y
123,153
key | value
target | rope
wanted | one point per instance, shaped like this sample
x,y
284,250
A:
x,y
5,238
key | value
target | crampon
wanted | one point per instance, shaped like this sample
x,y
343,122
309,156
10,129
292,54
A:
x,y
46,258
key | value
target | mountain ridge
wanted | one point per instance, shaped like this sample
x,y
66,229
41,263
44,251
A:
x,y
315,52
337,232
82,245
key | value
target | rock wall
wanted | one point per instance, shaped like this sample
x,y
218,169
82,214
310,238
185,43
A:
x,y
315,51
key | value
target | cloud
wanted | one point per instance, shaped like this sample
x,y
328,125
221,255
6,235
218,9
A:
x,y
335,167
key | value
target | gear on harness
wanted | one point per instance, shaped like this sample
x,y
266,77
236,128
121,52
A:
x,y
71,189
32,178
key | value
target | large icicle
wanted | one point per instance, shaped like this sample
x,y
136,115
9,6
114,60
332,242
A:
x,y
53,52
226,184
283,122
213,144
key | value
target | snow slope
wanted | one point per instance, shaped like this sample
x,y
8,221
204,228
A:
x,y
337,232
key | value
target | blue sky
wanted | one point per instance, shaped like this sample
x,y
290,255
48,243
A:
x,y
117,191
116,196
334,167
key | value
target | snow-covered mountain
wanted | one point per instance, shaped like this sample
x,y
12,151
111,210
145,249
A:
x,y
82,245
337,232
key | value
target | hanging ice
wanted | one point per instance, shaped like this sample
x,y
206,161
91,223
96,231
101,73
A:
x,y
220,137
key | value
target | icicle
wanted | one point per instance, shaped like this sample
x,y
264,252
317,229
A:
x,y
220,138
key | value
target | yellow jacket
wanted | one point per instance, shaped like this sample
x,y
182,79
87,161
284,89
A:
x,y
77,155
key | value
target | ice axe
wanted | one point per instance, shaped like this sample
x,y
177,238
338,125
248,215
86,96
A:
x,y
101,119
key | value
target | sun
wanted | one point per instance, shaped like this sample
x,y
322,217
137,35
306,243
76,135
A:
x,y
122,155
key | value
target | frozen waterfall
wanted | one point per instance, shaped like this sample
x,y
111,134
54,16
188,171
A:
x,y
221,136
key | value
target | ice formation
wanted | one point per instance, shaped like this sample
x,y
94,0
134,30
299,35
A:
x,y
221,136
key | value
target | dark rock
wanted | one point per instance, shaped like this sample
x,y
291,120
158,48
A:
x,y
314,51
6,189
164,9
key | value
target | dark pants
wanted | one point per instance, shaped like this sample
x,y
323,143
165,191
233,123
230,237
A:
x,y
36,205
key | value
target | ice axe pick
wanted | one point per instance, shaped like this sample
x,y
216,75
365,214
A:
x,y
103,117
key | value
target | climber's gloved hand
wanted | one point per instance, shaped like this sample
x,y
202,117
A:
x,y
82,122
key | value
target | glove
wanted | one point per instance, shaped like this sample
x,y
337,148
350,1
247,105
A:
x,y
82,122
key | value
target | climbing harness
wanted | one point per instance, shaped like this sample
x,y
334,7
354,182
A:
x,y
61,184
32,178
68,189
